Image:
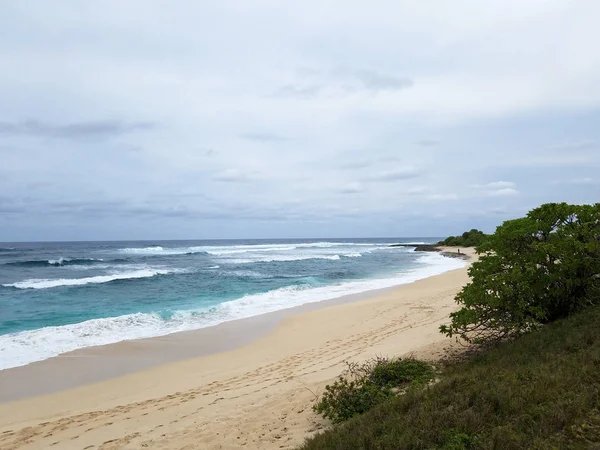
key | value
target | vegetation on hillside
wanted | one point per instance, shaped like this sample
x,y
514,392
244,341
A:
x,y
363,386
472,238
540,391
539,273
532,271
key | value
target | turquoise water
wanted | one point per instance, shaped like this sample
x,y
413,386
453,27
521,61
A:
x,y
58,297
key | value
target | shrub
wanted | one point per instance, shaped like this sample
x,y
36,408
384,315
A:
x,y
532,271
472,238
396,372
455,440
345,399
362,386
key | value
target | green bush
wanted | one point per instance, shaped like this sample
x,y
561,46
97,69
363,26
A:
x,y
363,386
396,372
532,271
345,399
455,440
472,238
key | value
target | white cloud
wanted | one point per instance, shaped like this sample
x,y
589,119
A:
x,y
401,173
352,188
586,144
428,142
277,119
582,181
497,188
350,165
425,193
504,192
231,175
442,197
494,185
501,185
418,190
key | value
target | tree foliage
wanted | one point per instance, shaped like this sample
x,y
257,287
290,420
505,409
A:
x,y
472,238
532,271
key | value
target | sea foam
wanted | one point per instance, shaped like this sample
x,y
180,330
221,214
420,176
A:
x,y
24,347
62,261
46,284
280,258
236,249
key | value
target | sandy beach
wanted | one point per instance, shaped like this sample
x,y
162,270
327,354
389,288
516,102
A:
x,y
188,391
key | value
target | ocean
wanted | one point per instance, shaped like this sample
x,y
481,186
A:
x,y
59,297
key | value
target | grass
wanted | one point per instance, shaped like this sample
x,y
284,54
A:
x,y
540,391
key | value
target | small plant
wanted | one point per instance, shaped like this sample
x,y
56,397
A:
x,y
455,440
362,386
399,371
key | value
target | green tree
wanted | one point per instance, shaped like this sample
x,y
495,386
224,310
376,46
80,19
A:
x,y
472,238
532,271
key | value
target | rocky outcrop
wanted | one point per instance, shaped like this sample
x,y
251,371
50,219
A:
x,y
432,248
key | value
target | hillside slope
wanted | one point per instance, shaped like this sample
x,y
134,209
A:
x,y
540,391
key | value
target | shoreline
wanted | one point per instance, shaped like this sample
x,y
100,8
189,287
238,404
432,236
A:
x,y
208,401
115,359
50,375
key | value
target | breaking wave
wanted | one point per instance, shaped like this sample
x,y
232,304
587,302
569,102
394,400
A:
x,y
24,347
46,284
55,262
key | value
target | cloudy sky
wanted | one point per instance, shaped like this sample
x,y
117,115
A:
x,y
235,119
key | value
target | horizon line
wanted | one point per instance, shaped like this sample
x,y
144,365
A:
x,y
216,239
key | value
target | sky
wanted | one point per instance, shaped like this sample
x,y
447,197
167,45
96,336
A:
x,y
267,119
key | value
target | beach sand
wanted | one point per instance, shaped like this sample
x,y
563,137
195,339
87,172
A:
x,y
255,396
